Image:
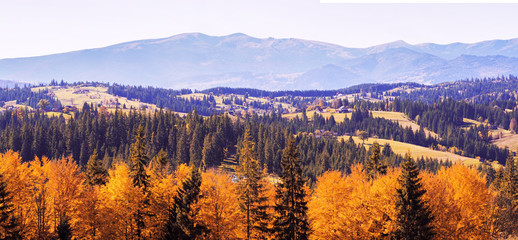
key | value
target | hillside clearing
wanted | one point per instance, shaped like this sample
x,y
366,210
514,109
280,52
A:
x,y
78,95
416,151
398,117
501,137
403,120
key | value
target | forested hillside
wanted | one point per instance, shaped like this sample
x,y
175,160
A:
x,y
108,171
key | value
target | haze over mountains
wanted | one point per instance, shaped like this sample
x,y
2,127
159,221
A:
x,y
195,60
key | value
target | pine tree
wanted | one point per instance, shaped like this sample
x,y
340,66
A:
x,y
181,223
196,146
414,218
9,227
182,148
506,183
139,160
291,221
95,172
373,166
251,191
511,178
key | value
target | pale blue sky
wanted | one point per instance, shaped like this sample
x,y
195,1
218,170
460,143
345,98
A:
x,y
36,27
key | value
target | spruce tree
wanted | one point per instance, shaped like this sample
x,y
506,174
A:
x,y
251,191
95,173
291,221
196,147
373,166
414,218
140,177
506,183
181,223
139,160
9,227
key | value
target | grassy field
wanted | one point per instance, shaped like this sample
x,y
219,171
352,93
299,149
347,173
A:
x,y
403,121
508,139
398,117
339,117
415,150
77,96
56,114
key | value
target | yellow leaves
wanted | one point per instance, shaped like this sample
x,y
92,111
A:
x,y
460,202
352,207
18,178
341,207
218,207
163,188
64,189
121,199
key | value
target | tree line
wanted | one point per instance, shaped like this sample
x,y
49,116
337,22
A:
x,y
204,142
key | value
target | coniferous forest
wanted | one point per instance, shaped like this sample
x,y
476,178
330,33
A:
x,y
138,174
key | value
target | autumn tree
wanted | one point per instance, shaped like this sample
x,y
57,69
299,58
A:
x,y
218,209
43,104
353,207
512,125
291,220
120,200
362,135
251,193
18,179
414,218
64,186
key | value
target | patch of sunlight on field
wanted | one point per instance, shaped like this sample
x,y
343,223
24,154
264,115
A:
x,y
339,117
78,95
415,150
501,137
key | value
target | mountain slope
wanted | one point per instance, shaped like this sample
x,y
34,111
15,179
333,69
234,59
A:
x,y
195,60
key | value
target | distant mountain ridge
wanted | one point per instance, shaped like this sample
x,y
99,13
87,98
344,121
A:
x,y
195,60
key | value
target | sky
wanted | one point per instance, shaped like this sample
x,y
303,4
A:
x,y
36,27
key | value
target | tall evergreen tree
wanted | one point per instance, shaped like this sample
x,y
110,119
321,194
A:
x,y
181,223
182,148
506,183
373,166
196,146
9,227
291,220
140,177
414,218
139,160
251,191
95,172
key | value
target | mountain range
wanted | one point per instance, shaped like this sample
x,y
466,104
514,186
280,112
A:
x,y
195,60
